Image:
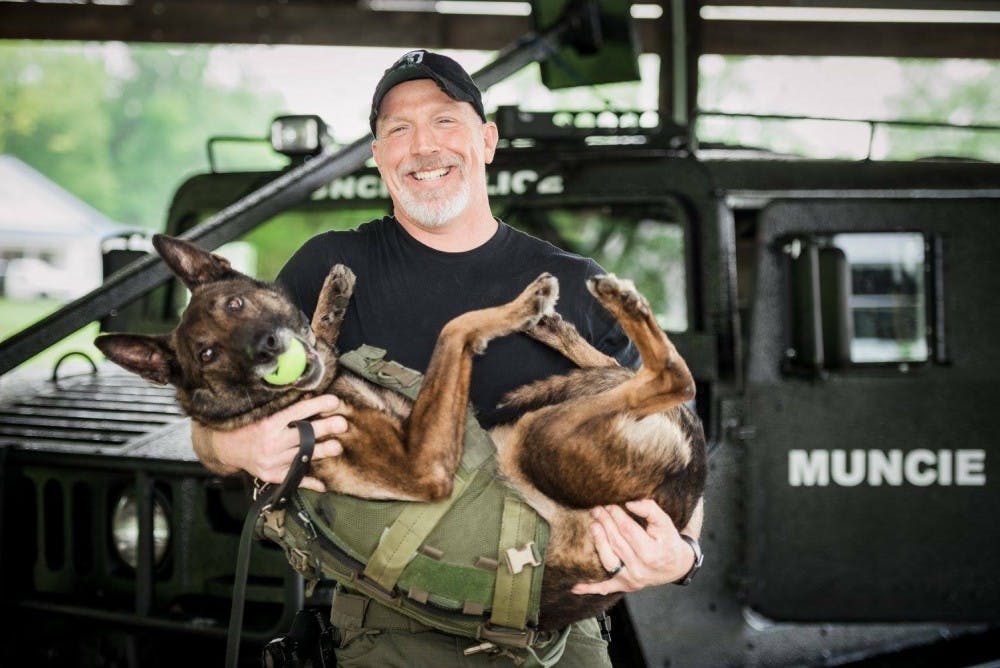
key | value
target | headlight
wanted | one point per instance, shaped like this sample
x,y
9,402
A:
x,y
125,529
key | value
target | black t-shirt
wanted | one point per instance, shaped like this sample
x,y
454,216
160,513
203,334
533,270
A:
x,y
406,292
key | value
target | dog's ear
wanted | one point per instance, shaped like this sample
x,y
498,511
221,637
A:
x,y
192,265
149,356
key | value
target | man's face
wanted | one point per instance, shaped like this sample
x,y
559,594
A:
x,y
432,153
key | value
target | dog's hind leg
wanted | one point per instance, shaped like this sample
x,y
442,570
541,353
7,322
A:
x,y
437,422
664,379
563,337
623,442
332,304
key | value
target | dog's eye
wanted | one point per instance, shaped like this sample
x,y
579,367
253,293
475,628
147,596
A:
x,y
207,355
234,304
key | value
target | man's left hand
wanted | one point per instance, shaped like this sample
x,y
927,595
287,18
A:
x,y
652,556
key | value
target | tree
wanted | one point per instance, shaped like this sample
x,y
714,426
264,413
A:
x,y
50,118
959,92
121,126
161,117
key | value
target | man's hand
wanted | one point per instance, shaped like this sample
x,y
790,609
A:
x,y
265,449
652,556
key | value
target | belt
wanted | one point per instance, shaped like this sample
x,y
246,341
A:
x,y
352,612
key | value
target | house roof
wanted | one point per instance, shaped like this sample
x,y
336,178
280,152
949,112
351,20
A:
x,y
31,204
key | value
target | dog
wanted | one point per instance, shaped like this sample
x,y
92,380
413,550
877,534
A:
x,y
598,435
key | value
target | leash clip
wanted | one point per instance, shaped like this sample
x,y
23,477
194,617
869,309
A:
x,y
259,487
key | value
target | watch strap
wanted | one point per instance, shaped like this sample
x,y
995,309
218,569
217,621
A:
x,y
699,557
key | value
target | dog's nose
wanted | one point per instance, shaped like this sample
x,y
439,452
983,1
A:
x,y
267,347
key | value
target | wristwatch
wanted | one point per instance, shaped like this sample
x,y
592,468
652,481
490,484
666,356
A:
x,y
698,558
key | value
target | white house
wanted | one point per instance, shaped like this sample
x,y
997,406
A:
x,y
50,240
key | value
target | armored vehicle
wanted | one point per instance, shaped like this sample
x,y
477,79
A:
x,y
838,319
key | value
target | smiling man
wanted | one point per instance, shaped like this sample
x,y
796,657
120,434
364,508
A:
x,y
432,145
440,254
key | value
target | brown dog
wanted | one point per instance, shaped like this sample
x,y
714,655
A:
x,y
599,435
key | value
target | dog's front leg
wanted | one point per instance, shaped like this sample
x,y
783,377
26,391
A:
x,y
437,423
332,304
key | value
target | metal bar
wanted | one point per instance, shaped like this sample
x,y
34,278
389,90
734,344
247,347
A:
x,y
112,397
55,402
149,272
31,411
85,460
293,601
84,425
679,61
939,343
856,38
903,122
965,5
63,435
144,559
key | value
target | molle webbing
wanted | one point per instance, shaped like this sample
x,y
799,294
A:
x,y
477,573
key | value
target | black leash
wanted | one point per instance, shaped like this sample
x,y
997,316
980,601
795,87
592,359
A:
x,y
264,500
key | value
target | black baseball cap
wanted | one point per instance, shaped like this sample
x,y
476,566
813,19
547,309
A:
x,y
420,64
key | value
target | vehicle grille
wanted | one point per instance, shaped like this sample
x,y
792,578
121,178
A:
x,y
112,408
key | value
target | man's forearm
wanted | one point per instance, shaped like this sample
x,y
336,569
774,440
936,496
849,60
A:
x,y
693,527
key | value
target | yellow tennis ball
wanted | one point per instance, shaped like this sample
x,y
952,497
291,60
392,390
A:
x,y
291,364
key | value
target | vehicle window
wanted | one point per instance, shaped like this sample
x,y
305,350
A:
x,y
888,296
262,252
877,108
273,242
643,244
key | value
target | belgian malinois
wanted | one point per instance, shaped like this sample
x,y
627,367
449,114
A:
x,y
598,435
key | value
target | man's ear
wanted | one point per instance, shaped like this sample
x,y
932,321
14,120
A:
x,y
192,265
375,152
490,138
149,356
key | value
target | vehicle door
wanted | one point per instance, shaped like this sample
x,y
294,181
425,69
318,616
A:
x,y
872,374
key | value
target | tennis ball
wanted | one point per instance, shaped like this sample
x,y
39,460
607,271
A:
x,y
291,364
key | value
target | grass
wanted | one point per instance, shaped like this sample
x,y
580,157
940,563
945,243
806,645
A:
x,y
15,315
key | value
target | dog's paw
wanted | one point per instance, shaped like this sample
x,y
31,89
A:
x,y
618,294
333,300
340,281
539,299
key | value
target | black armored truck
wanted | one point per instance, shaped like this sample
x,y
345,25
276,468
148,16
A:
x,y
838,319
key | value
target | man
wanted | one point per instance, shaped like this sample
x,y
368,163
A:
x,y
443,253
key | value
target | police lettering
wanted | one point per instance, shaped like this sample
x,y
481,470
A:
x,y
523,181
366,186
370,186
920,467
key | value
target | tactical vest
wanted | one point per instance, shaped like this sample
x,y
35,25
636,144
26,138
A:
x,y
469,565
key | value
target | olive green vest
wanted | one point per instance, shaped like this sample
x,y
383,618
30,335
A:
x,y
469,565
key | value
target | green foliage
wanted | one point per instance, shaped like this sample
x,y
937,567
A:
x,y
121,126
18,314
640,243
48,100
972,98
281,236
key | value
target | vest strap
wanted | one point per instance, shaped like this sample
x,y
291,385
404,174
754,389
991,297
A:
x,y
512,592
402,540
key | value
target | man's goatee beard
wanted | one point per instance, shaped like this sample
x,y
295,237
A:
x,y
435,213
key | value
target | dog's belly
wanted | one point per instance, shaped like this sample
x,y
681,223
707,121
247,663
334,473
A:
x,y
571,546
